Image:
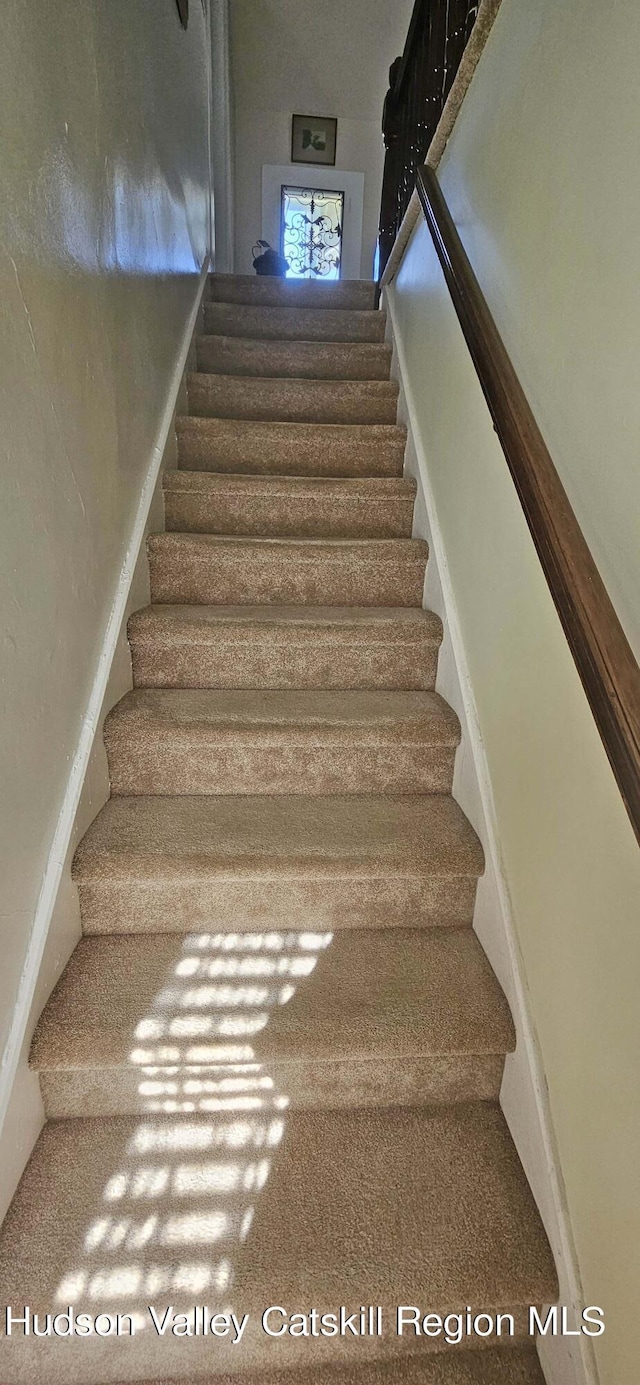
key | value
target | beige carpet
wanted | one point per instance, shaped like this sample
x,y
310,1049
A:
x,y
478,1368
271,1067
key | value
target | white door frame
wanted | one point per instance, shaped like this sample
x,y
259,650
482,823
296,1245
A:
x,y
274,176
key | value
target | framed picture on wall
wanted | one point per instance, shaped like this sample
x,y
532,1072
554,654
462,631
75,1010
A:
x,y
313,139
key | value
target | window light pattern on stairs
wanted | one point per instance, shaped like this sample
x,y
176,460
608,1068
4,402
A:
x,y
195,1056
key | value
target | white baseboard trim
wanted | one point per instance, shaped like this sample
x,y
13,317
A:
x,y
91,723
524,1096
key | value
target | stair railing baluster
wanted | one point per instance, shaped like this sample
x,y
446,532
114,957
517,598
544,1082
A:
x,y
422,78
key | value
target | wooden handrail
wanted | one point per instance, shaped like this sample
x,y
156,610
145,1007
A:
x,y
603,656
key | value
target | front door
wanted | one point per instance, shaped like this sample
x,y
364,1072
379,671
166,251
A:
x,y
311,225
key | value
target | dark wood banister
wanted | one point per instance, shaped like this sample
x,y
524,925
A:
x,y
407,52
603,656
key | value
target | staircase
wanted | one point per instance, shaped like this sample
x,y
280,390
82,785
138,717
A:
x,y
271,1068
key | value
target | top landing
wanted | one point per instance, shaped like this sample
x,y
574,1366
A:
x,y
270,291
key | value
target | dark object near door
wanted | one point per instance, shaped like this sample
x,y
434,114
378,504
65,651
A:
x,y
266,260
183,11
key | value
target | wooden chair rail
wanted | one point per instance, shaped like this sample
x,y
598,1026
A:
x,y
605,661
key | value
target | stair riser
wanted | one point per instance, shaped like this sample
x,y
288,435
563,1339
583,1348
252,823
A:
x,y
300,360
253,902
288,401
328,1086
226,579
187,1359
506,1365
284,324
151,763
246,664
288,516
269,449
269,289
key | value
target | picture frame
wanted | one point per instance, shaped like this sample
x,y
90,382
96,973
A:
x,y
313,139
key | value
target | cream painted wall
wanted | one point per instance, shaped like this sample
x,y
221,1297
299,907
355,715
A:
x,y
104,227
540,173
541,176
316,57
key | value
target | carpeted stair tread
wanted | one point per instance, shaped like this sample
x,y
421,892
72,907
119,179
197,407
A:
x,y
426,1206
200,741
291,449
400,1017
294,506
492,1366
231,570
367,717
284,646
268,289
398,993
278,323
155,864
314,360
180,836
341,489
293,401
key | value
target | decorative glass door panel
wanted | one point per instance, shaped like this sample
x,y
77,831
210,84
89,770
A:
x,y
311,232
